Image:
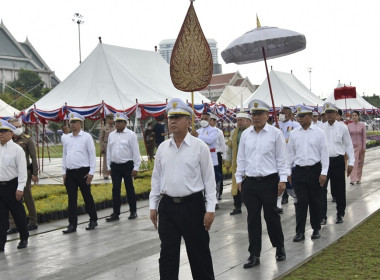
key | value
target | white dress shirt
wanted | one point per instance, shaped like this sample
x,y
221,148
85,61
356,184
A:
x,y
339,141
287,127
261,154
210,135
122,147
13,164
182,171
318,123
307,147
221,143
78,152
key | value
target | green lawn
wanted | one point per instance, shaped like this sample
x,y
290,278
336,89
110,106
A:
x,y
56,150
355,256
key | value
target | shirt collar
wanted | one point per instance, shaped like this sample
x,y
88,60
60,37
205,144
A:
x,y
186,140
79,134
6,144
265,128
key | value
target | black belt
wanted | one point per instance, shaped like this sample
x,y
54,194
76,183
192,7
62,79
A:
x,y
129,161
7,183
263,178
337,157
183,199
309,166
78,169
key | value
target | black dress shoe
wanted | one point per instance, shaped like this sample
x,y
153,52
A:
x,y
299,237
279,211
105,178
32,227
92,225
280,254
252,261
70,229
2,247
112,218
12,230
339,219
216,206
315,234
333,199
235,212
23,244
323,222
132,216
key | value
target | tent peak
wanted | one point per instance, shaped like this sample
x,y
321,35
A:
x,y
100,39
258,21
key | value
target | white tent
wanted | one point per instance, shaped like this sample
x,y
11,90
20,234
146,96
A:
x,y
287,91
357,103
7,110
118,76
233,96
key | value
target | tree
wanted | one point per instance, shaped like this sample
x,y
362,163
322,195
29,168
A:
x,y
27,82
374,100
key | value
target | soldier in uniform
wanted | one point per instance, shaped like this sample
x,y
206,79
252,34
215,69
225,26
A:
x,y
243,121
27,143
12,182
103,141
261,176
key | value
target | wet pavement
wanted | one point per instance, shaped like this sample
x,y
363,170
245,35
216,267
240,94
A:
x,y
129,249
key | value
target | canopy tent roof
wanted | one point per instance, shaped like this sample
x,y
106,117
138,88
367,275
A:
x,y
357,103
232,96
116,76
287,91
7,110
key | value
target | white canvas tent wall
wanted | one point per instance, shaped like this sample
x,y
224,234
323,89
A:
x,y
231,96
7,110
287,91
118,76
357,103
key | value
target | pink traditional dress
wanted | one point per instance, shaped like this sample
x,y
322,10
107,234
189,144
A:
x,y
358,136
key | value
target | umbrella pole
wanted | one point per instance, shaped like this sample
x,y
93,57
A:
x,y
193,116
270,88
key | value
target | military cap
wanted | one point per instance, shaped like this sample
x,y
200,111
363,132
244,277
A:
x,y
6,125
243,115
328,106
109,115
73,116
213,116
120,117
303,109
315,114
258,105
176,107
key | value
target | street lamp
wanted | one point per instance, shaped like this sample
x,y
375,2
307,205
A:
x,y
309,69
78,19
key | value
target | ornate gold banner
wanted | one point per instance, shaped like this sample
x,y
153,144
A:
x,y
191,61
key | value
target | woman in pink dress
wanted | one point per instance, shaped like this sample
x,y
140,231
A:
x,y
358,135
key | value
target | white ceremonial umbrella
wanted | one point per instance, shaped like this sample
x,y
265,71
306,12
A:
x,y
263,43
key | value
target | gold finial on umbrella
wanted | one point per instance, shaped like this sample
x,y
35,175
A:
x,y
191,61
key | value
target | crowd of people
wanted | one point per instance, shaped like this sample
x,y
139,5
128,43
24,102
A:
x,y
297,156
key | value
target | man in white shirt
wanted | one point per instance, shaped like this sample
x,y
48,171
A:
x,y
339,143
220,150
182,177
123,161
286,125
307,150
13,176
315,120
261,162
210,136
78,167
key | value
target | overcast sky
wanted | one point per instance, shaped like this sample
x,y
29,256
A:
x,y
343,37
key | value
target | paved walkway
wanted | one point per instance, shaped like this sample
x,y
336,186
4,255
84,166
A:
x,y
130,249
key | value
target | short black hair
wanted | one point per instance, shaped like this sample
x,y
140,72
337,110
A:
x,y
356,112
340,112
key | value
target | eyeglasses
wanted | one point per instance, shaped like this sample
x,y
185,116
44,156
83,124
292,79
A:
x,y
3,131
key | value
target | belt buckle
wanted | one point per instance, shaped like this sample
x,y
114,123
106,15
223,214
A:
x,y
177,200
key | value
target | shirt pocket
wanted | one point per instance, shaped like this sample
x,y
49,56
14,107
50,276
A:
x,y
338,137
9,161
191,166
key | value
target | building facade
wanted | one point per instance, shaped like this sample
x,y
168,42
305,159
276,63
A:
x,y
17,55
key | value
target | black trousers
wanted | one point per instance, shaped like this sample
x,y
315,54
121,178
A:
x,y
257,195
74,179
309,195
8,203
237,200
118,172
220,167
185,220
336,176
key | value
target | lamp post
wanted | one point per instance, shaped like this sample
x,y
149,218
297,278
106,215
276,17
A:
x,y
78,19
309,69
